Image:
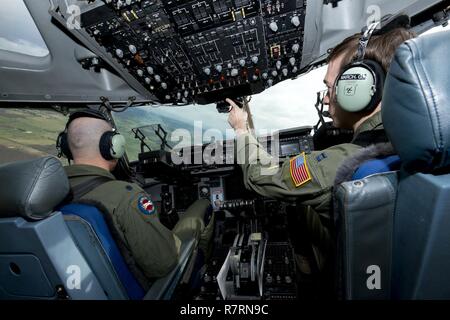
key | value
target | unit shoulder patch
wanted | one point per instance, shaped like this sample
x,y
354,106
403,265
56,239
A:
x,y
146,206
299,170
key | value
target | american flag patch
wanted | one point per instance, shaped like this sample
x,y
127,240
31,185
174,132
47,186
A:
x,y
299,171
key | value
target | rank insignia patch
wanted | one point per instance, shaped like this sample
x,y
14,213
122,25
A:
x,y
299,171
146,206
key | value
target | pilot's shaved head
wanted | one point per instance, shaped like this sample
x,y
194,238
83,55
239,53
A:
x,y
84,137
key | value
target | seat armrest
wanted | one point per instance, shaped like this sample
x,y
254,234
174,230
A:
x,y
163,288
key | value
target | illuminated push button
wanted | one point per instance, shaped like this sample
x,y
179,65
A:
x,y
285,72
132,49
273,26
295,21
295,47
278,65
119,53
292,61
207,71
150,70
157,78
234,72
255,59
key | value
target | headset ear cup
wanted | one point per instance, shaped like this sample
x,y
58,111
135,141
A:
x,y
63,145
380,77
105,145
112,145
359,87
118,146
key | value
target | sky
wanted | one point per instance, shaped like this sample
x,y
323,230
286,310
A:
x,y
18,31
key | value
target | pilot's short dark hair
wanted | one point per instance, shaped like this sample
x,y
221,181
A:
x,y
381,48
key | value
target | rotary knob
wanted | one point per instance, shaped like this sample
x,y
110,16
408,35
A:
x,y
178,95
207,71
157,78
292,61
278,65
295,21
234,72
132,49
255,77
295,47
219,68
274,73
147,80
270,82
285,72
150,70
265,75
294,70
140,73
119,53
242,63
273,26
255,59
164,85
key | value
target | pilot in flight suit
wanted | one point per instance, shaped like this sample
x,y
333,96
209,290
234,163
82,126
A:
x,y
129,211
309,179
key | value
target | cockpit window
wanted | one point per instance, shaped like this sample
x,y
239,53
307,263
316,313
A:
x,y
18,32
29,133
287,105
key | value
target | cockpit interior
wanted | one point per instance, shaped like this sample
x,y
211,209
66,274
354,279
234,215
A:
x,y
155,67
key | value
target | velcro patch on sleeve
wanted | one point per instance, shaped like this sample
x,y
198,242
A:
x,y
146,206
299,171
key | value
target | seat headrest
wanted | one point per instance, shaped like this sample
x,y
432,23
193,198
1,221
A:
x,y
32,188
416,103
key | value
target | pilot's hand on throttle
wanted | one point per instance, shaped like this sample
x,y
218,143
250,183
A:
x,y
237,118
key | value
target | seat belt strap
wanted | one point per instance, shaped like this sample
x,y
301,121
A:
x,y
84,188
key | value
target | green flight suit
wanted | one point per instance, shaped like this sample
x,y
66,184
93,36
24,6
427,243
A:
x,y
314,188
154,248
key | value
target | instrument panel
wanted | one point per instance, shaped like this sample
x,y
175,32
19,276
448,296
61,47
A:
x,y
201,51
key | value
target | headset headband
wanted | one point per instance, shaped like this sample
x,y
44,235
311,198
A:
x,y
366,35
88,113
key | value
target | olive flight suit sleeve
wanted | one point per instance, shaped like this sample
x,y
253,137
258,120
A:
x,y
154,247
305,177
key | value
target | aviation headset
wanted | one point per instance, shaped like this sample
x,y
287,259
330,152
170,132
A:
x,y
359,86
111,145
